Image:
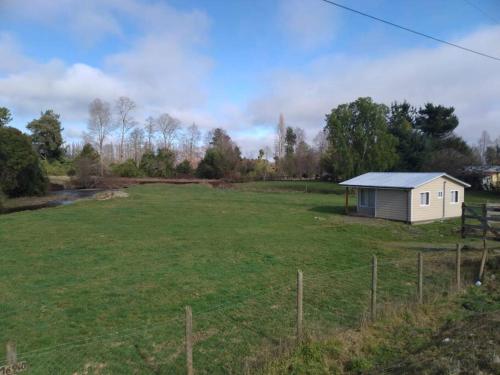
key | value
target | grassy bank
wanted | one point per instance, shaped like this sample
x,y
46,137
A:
x,y
102,285
455,334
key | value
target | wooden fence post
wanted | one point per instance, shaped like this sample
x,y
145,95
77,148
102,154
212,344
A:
x,y
299,305
373,304
11,353
483,260
189,341
485,222
463,220
458,264
420,287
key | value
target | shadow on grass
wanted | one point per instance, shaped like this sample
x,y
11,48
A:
x,y
334,210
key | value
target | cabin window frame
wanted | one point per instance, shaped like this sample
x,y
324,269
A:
x,y
428,200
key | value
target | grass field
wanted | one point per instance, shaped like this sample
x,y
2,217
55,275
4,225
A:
x,y
100,286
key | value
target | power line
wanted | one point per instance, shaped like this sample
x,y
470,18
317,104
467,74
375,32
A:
x,y
410,30
486,14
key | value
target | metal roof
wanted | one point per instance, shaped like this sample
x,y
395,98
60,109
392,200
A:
x,y
397,180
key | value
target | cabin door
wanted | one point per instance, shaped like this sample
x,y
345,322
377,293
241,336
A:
x,y
367,201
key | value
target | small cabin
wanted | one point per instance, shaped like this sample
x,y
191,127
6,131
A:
x,y
410,197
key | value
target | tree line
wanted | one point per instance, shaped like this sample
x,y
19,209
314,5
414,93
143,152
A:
x,y
367,136
357,137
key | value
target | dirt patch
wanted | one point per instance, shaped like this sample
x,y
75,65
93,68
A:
x,y
221,184
109,194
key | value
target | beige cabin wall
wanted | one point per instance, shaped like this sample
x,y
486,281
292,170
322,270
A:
x,y
435,209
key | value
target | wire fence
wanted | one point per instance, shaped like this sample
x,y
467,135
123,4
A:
x,y
237,335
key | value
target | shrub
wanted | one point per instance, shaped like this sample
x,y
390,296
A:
x,y
58,168
86,166
126,169
184,167
20,169
212,165
2,201
160,164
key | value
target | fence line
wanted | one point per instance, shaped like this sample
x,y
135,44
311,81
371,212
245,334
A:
x,y
284,288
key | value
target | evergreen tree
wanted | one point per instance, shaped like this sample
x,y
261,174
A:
x,y
20,169
436,121
46,136
5,116
411,147
222,157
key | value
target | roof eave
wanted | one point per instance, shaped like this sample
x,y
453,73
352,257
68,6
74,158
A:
x,y
460,182
376,186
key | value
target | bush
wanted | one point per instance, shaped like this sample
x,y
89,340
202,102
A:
x,y
3,198
126,169
20,169
86,166
160,164
212,165
58,168
184,168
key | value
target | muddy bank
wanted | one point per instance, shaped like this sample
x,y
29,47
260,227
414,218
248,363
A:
x,y
123,182
53,199
104,183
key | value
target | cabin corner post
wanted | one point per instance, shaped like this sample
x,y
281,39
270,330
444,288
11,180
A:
x,y
346,200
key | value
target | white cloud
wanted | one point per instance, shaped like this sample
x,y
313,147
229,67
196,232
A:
x,y
160,69
12,58
441,75
164,70
308,24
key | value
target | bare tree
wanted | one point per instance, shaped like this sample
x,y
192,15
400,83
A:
x,y
280,138
191,140
108,153
300,135
150,128
168,127
124,107
483,144
136,140
321,141
99,125
267,152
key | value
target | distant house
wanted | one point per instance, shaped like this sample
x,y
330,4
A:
x,y
410,197
483,177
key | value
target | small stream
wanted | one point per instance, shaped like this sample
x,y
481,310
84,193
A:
x,y
60,198
69,196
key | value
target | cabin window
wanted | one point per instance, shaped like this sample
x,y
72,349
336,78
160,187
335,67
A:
x,y
440,195
425,198
367,198
454,196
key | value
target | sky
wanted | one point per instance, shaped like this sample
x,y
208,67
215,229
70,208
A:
x,y
239,64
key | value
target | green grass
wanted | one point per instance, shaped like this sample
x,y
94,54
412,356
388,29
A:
x,y
108,280
432,338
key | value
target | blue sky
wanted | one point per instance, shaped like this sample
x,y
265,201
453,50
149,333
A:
x,y
238,64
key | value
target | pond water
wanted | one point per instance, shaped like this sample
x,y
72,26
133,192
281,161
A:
x,y
69,196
